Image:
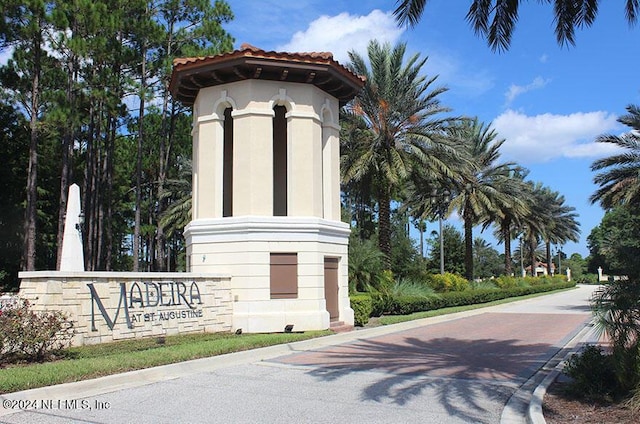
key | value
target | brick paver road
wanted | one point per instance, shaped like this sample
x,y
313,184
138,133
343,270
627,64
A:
x,y
445,370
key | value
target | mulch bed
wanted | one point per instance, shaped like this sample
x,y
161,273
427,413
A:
x,y
558,408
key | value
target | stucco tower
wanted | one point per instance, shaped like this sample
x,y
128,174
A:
x,y
266,183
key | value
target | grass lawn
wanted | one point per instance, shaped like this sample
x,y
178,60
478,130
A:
x,y
85,362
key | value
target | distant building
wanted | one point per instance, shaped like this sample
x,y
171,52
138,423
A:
x,y
542,269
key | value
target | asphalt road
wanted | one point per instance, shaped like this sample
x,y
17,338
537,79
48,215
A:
x,y
456,369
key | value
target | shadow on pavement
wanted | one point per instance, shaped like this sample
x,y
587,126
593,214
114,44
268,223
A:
x,y
461,374
578,308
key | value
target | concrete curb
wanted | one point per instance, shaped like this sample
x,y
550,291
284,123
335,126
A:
x,y
519,406
588,335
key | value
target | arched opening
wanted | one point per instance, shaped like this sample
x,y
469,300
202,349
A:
x,y
227,167
280,161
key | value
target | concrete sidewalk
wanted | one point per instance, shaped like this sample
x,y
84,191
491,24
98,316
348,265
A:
x,y
477,366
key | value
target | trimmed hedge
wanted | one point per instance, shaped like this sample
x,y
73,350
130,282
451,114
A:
x,y
506,282
404,305
362,306
588,279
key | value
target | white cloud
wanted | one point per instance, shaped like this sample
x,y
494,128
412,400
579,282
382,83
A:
x,y
591,150
544,58
516,90
344,32
541,138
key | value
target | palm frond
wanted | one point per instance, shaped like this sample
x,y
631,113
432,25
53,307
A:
x,y
409,12
619,181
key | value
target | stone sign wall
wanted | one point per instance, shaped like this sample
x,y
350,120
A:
x,y
109,306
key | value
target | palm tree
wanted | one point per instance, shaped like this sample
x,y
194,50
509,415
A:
x,y
496,19
510,214
562,225
421,226
526,250
549,220
483,255
619,180
357,194
616,311
536,220
616,304
397,112
478,186
365,265
178,196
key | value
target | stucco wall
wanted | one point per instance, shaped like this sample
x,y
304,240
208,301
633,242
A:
x,y
241,246
313,149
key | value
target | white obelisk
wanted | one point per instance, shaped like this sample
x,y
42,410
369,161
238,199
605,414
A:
x,y
72,251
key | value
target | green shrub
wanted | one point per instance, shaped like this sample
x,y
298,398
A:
x,y
556,279
505,282
385,282
383,302
616,308
362,306
402,305
633,403
483,284
33,336
405,305
380,303
587,279
539,281
365,265
592,373
412,287
447,282
529,281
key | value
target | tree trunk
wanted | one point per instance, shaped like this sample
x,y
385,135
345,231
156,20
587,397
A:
x,y
533,243
29,256
384,225
138,206
101,184
506,235
422,230
96,192
548,246
163,154
86,192
107,233
468,245
64,193
93,161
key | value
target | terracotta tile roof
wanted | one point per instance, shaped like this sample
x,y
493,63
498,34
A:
x,y
249,62
247,50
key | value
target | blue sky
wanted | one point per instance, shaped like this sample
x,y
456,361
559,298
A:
x,y
549,102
